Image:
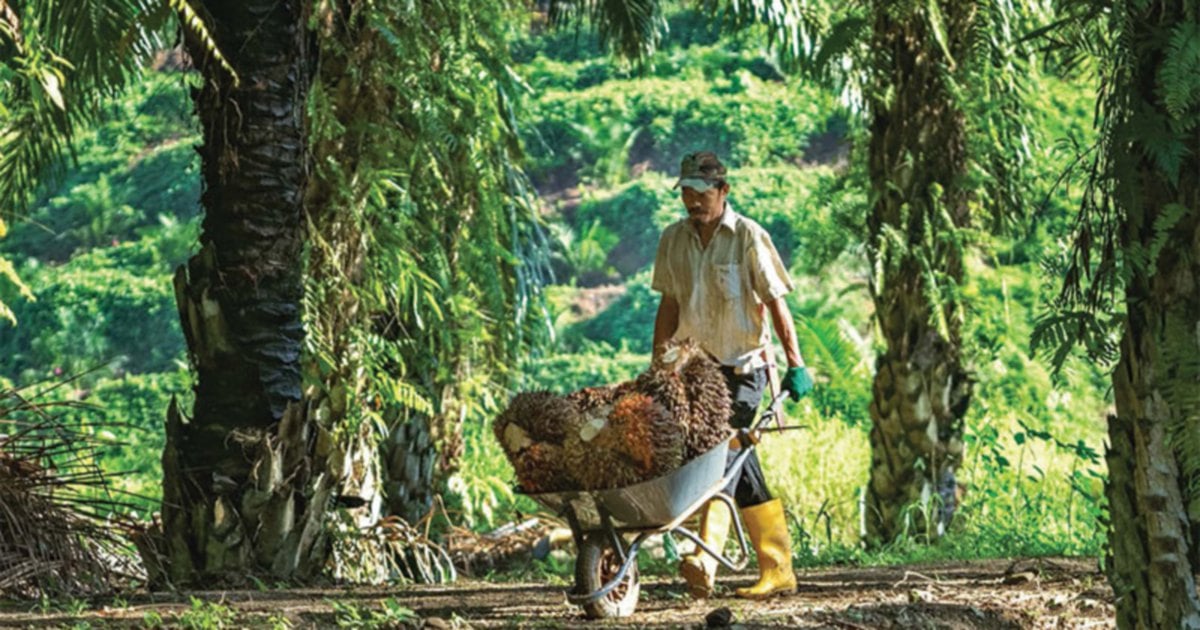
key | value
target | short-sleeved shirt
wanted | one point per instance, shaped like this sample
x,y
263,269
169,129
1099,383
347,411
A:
x,y
722,288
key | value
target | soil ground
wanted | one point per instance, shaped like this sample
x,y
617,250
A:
x,y
1037,593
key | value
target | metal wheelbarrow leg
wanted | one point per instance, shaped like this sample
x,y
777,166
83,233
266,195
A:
x,y
719,554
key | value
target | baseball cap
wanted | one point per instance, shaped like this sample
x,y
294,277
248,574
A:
x,y
702,169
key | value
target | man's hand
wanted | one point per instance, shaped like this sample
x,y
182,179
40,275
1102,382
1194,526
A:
x,y
797,382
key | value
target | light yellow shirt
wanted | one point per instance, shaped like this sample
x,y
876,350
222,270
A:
x,y
722,288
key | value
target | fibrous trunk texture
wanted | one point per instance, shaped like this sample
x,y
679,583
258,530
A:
x,y
1155,433
409,458
245,490
917,157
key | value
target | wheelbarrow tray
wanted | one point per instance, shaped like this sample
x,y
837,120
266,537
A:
x,y
649,504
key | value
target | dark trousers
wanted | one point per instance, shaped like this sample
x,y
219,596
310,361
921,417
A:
x,y
746,390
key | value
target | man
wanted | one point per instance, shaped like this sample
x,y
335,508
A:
x,y
719,275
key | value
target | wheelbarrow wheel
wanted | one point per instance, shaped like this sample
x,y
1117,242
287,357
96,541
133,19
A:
x,y
597,564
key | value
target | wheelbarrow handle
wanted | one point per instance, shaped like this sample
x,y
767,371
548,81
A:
x,y
772,409
751,435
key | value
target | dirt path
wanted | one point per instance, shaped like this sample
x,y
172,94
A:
x,y
1049,593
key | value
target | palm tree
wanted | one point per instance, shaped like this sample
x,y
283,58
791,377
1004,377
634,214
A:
x,y
242,493
239,298
916,68
1137,230
917,158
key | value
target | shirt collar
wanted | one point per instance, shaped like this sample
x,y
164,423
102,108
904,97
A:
x,y
728,219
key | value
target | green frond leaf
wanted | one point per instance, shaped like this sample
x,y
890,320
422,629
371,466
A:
x,y
1178,80
937,24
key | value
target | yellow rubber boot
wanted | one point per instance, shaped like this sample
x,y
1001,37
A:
x,y
769,534
698,568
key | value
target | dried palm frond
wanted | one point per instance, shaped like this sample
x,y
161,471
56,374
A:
x,y
57,537
509,546
391,550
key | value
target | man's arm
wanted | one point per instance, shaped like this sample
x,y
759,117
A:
x,y
666,322
785,330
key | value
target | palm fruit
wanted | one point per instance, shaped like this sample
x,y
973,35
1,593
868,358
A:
x,y
531,431
595,455
541,468
663,383
649,436
709,403
593,397
534,417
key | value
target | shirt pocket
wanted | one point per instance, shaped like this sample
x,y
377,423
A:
x,y
728,279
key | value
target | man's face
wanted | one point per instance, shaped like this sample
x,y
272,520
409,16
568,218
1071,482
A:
x,y
705,207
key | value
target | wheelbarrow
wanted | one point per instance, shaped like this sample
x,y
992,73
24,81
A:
x,y
609,526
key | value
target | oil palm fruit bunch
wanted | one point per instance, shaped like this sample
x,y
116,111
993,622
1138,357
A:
x,y
539,416
664,383
615,444
541,468
608,437
648,434
590,398
531,431
709,403
595,464
688,381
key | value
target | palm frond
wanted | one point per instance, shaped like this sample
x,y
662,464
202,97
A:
x,y
56,536
631,28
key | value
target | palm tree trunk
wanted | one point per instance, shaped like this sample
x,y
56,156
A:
x,y
917,156
245,490
1150,570
1155,434
1151,541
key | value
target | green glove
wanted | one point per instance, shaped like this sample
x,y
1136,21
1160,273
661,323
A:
x,y
797,382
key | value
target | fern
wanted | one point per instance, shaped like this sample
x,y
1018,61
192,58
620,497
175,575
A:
x,y
829,347
1164,223
1057,332
1178,81
843,38
937,24
1151,130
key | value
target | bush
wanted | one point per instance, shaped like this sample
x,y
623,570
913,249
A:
x,y
808,213
598,133
132,173
636,213
597,364
113,307
627,323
